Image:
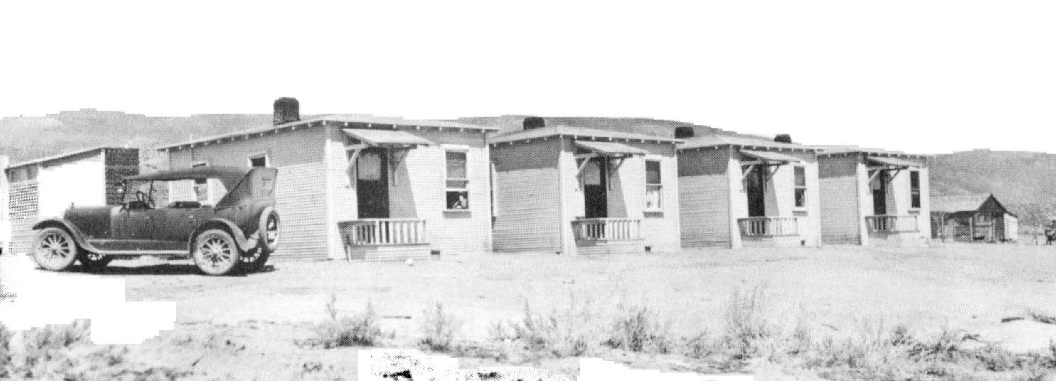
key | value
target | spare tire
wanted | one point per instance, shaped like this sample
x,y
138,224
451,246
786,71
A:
x,y
268,230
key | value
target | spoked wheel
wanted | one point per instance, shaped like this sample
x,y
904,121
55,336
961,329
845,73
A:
x,y
215,252
54,249
93,261
254,260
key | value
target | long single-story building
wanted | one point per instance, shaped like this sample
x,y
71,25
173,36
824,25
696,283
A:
x,y
362,187
47,186
577,190
972,218
737,191
873,197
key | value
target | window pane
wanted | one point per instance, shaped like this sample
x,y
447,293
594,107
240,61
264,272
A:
x,y
258,162
592,173
914,180
458,184
456,165
652,172
801,197
653,197
368,166
457,200
801,176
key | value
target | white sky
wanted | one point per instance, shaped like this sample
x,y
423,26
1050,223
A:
x,y
921,76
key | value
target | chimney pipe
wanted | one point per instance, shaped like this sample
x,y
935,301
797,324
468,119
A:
x,y
533,122
783,138
286,110
683,132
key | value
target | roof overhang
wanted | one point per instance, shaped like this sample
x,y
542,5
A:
x,y
387,138
771,158
892,162
610,148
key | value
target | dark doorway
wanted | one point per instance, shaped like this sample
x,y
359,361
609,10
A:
x,y
755,187
372,183
879,188
595,191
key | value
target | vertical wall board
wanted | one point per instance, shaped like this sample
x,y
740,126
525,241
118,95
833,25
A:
x,y
838,187
704,198
526,191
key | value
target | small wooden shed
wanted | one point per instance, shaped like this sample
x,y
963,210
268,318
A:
x,y
737,191
972,218
873,197
363,187
46,187
580,190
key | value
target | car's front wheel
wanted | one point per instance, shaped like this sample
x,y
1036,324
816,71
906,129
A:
x,y
215,252
54,249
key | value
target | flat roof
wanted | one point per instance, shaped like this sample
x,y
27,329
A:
x,y
61,156
840,150
726,140
341,119
576,132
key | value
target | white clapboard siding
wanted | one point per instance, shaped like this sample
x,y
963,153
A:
x,y
24,209
704,198
527,216
301,204
839,200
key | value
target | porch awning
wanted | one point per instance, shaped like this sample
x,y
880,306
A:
x,y
771,157
892,162
610,148
387,138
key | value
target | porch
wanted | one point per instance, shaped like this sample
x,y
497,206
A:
x,y
384,238
608,235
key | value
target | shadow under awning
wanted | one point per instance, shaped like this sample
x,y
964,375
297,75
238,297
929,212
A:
x,y
771,157
610,148
892,162
387,138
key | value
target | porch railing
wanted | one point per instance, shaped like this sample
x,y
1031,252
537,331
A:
x,y
769,226
607,229
383,231
892,224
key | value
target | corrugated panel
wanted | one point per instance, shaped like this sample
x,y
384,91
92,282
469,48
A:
x,y
705,216
24,208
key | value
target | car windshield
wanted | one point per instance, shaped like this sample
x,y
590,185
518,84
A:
x,y
140,194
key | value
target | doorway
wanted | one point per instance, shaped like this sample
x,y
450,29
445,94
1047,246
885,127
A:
x,y
372,183
878,187
595,189
755,187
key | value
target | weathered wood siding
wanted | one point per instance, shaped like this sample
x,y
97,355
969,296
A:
x,y
24,207
417,189
839,200
704,197
526,192
300,192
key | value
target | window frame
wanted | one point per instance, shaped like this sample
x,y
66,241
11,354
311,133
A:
x,y
658,186
205,182
915,199
262,155
796,188
447,188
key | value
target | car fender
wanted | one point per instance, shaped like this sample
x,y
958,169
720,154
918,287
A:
x,y
240,237
78,236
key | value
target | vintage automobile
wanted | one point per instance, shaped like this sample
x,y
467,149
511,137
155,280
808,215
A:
x,y
239,233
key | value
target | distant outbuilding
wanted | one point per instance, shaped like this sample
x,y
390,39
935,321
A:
x,y
972,218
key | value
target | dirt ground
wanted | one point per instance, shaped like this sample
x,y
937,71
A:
x,y
950,286
255,320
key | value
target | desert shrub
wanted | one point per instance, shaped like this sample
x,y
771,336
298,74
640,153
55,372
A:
x,y
440,329
570,332
749,330
361,329
638,329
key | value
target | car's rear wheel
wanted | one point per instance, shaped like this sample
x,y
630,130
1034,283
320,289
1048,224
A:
x,y
254,260
54,249
269,230
93,261
215,252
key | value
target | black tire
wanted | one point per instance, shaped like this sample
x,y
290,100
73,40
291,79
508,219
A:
x,y
254,260
93,261
54,249
268,230
215,252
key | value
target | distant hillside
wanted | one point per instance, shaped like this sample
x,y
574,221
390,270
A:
x,y
644,126
1023,181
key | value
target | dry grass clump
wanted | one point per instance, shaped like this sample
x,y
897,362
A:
x,y
638,329
360,329
440,329
569,332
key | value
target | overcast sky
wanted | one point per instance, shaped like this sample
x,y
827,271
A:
x,y
920,76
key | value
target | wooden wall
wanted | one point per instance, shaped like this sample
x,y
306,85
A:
x,y
526,192
838,179
704,196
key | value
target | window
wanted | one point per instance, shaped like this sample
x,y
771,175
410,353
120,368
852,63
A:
x,y
259,161
201,186
800,186
914,189
653,194
457,186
